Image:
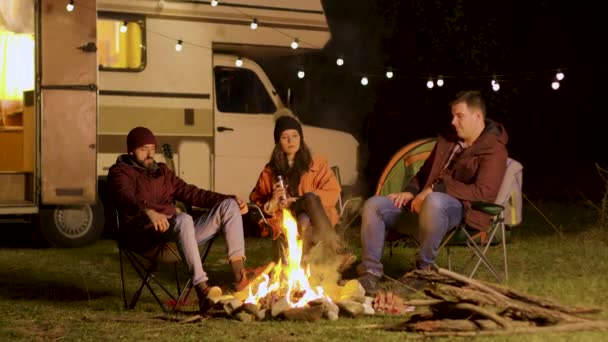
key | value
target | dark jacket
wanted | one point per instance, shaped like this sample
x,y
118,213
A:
x,y
133,189
476,174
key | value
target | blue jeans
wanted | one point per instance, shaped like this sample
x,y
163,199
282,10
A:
x,y
188,234
439,213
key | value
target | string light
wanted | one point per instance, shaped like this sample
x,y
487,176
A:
x,y
440,81
295,43
389,73
495,85
340,61
559,76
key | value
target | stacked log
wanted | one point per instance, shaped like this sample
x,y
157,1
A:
x,y
460,306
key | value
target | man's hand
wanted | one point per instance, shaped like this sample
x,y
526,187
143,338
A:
x,y
419,199
242,205
160,221
401,198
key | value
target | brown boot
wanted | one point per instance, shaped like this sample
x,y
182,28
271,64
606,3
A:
x,y
202,292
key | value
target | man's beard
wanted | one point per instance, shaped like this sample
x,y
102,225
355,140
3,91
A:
x,y
147,164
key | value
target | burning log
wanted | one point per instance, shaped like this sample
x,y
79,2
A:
x,y
350,308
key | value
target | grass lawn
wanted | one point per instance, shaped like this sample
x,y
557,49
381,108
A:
x,y
76,295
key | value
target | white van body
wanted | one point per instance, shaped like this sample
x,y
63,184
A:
x,y
76,119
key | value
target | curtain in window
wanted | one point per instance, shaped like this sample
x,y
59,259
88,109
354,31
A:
x,y
16,65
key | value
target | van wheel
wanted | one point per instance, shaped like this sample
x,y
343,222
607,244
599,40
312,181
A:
x,y
72,225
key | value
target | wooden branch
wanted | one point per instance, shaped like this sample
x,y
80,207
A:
x,y
542,302
469,295
472,282
486,313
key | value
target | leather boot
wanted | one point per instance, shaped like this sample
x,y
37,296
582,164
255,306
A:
x,y
202,292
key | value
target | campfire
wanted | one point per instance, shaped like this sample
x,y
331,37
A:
x,y
287,289
290,281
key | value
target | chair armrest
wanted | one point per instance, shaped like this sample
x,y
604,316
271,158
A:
x,y
487,207
255,207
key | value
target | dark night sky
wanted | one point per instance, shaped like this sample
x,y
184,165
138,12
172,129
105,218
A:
x,y
557,135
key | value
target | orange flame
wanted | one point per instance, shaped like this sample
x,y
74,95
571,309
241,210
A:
x,y
290,280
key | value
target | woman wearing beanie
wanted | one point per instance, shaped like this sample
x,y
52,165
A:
x,y
310,189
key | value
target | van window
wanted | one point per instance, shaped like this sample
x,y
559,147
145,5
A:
x,y
121,44
239,90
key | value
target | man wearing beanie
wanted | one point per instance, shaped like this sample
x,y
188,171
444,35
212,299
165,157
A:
x,y
145,193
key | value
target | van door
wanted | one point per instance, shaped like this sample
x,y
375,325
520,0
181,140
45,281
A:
x,y
243,121
68,69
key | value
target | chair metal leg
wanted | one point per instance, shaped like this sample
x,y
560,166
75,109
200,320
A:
x,y
504,250
481,254
146,271
145,274
122,278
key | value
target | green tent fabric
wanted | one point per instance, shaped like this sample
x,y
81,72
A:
x,y
403,166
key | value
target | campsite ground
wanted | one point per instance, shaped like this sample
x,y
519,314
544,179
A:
x,y
75,294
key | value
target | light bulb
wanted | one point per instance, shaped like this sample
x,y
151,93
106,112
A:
x,y
559,76
555,85
364,81
254,24
295,43
430,84
440,82
389,74
179,46
340,61
239,62
123,27
495,86
493,82
301,74
70,6
214,3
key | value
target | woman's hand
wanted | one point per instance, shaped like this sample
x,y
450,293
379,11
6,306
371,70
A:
x,y
278,192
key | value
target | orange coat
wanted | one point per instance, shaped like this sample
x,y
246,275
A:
x,y
319,179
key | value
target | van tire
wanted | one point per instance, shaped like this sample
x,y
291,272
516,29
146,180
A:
x,y
69,226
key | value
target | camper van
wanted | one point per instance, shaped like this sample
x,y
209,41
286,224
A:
x,y
80,74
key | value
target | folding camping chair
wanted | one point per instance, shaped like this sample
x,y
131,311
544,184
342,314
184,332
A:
x,y
147,263
505,212
348,210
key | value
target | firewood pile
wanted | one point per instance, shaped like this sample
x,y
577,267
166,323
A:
x,y
460,306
